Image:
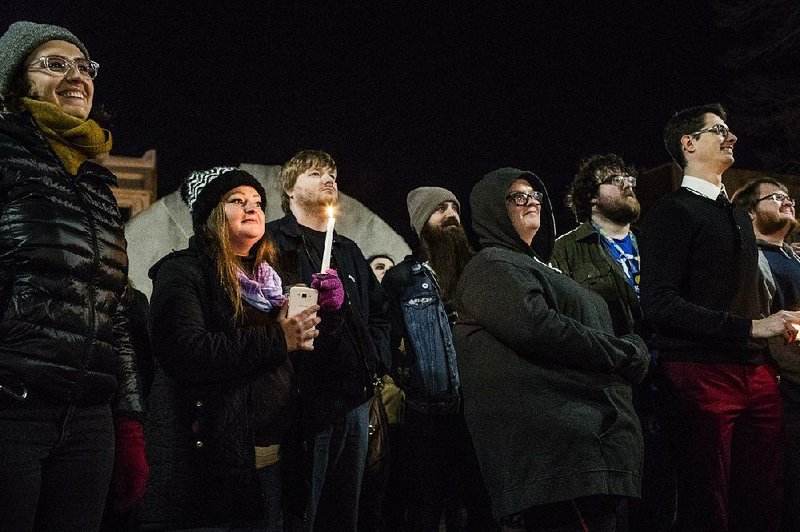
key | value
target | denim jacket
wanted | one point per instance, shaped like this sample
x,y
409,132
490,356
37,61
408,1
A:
x,y
426,369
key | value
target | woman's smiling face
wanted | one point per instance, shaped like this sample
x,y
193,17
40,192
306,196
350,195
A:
x,y
72,92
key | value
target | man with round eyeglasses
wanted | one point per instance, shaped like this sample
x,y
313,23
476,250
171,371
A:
x,y
772,211
704,295
602,254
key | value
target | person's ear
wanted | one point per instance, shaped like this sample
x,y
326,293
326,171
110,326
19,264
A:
x,y
689,143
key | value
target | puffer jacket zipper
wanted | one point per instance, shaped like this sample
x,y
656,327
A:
x,y
90,285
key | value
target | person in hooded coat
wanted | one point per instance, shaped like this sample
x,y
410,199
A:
x,y
547,385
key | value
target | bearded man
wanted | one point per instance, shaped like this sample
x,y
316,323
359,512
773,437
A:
x,y
335,380
602,253
439,460
772,211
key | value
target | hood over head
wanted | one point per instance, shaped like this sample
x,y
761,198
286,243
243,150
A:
x,y
490,219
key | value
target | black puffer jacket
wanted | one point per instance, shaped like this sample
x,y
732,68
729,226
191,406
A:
x,y
63,270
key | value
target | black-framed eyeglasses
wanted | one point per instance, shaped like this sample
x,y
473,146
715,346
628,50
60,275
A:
x,y
778,197
718,129
521,199
620,181
61,65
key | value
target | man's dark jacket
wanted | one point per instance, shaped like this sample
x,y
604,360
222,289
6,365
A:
x,y
582,255
701,286
63,270
337,375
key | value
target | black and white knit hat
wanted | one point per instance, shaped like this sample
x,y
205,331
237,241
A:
x,y
23,37
202,190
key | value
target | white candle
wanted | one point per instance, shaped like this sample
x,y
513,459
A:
x,y
326,253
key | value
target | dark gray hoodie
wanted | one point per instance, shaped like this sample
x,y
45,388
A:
x,y
547,385
490,219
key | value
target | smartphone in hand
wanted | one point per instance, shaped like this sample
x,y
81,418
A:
x,y
300,298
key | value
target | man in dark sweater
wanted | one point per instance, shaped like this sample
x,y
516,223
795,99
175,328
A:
x,y
702,290
335,380
772,211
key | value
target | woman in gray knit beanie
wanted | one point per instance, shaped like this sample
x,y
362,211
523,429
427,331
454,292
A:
x,y
70,401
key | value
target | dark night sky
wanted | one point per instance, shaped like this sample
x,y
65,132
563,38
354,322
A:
x,y
401,93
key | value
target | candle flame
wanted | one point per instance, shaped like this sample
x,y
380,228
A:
x,y
329,210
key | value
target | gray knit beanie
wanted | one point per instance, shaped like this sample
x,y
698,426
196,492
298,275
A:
x,y
423,201
23,37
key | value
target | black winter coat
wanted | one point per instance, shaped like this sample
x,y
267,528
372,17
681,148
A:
x,y
547,385
63,270
337,375
199,423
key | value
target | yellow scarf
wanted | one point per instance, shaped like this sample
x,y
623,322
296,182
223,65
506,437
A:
x,y
74,140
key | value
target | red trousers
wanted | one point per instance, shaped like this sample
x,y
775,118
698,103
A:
x,y
728,446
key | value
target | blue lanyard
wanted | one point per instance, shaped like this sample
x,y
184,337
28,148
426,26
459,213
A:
x,y
628,261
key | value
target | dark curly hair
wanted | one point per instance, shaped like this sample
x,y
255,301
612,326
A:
x,y
586,182
685,122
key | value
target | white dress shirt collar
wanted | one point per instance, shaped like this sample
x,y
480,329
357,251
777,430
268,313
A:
x,y
701,187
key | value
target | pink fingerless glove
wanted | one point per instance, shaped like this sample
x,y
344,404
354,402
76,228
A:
x,y
331,289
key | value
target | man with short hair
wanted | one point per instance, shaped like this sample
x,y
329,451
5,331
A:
x,y
439,461
700,289
773,214
335,379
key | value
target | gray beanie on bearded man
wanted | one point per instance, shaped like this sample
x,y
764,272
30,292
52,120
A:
x,y
423,201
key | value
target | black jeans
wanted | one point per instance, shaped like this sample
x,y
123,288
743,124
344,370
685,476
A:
x,y
55,465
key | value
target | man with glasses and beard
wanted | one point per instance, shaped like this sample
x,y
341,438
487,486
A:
x,y
439,462
772,211
602,254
